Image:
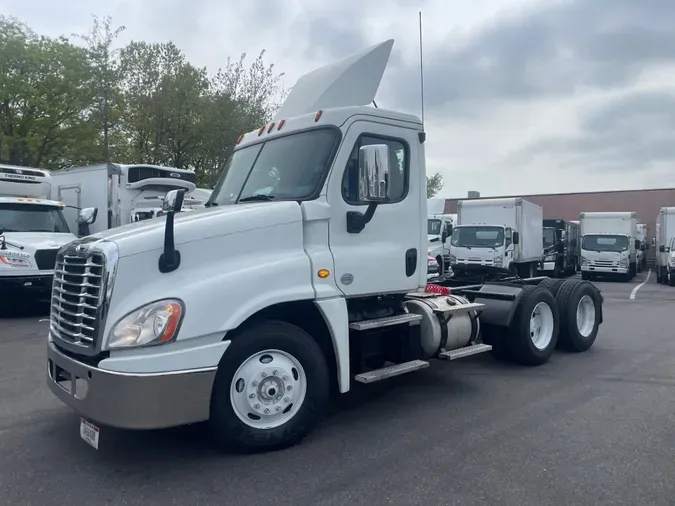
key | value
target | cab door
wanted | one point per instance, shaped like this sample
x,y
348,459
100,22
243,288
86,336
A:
x,y
389,253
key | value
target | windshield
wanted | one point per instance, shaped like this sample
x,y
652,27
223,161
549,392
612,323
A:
x,y
286,168
434,227
549,237
605,243
32,218
477,237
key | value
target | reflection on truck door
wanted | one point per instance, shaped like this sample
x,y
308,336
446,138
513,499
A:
x,y
70,196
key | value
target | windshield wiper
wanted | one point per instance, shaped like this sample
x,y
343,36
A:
x,y
258,197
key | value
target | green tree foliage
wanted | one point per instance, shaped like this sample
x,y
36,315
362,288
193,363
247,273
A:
x,y
88,101
434,185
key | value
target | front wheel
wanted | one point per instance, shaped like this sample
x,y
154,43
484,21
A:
x,y
271,389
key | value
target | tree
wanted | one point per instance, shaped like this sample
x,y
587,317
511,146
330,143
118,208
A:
x,y
434,185
43,92
106,109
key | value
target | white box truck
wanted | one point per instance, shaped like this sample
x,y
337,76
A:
x,y
32,229
665,246
504,233
187,318
608,244
129,193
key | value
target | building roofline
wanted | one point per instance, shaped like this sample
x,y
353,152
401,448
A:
x,y
563,194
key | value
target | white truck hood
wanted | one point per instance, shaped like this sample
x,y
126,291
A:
x,y
33,241
201,224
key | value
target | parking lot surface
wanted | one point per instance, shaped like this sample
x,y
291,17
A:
x,y
596,428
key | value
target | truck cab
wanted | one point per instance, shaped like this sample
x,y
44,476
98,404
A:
x,y
439,230
305,272
32,229
561,248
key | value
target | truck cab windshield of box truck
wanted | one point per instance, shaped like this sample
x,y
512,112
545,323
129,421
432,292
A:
x,y
18,217
605,243
477,236
549,237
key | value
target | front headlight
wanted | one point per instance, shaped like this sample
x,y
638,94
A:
x,y
453,259
549,258
152,324
623,262
498,261
584,261
12,261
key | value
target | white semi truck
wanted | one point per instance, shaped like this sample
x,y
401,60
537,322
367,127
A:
x,y
608,244
32,229
439,229
129,193
187,318
504,234
665,246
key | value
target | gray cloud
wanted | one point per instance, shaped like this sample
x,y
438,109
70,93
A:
x,y
622,135
550,51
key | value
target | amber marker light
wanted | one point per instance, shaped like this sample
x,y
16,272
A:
x,y
323,273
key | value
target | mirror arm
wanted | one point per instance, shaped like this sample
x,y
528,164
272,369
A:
x,y
357,221
169,260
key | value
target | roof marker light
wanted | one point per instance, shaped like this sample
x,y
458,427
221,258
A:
x,y
270,127
239,139
281,123
317,117
261,130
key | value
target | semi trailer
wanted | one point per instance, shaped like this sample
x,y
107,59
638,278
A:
x,y
185,318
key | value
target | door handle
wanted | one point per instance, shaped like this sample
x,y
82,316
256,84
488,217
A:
x,y
410,262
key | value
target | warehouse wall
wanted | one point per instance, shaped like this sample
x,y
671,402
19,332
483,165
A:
x,y
646,203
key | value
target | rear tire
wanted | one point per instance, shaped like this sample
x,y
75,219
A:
x,y
552,285
671,279
580,309
533,333
254,375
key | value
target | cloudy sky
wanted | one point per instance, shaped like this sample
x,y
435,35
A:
x,y
522,96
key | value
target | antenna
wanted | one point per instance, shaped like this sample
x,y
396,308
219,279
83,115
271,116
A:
x,y
421,71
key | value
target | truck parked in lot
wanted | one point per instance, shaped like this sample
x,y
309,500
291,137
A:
x,y
503,234
608,244
561,248
439,229
129,193
187,317
665,246
641,253
32,229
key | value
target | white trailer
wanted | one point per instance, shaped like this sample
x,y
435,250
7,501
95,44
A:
x,y
665,246
200,323
32,229
129,193
505,233
608,244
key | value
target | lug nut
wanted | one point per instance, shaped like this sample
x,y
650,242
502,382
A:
x,y
255,383
251,396
275,372
264,374
256,406
267,410
278,408
289,388
284,377
287,399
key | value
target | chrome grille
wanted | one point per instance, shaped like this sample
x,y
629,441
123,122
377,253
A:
x,y
78,294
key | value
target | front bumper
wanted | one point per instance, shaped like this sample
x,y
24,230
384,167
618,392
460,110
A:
x,y
27,286
547,266
604,270
130,400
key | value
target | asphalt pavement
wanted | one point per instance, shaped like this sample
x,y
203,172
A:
x,y
596,428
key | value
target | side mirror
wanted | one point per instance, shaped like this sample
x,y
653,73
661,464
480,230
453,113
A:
x,y
87,216
662,249
653,241
637,243
373,173
444,237
173,201
516,237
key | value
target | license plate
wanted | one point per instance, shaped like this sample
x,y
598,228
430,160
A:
x,y
89,432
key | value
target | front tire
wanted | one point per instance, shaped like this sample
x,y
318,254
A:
x,y
271,389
